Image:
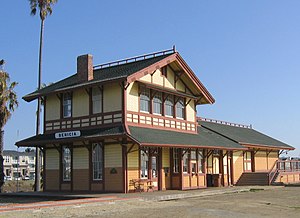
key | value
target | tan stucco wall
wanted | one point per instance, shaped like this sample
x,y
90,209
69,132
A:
x,y
112,97
272,158
52,108
80,103
238,167
261,161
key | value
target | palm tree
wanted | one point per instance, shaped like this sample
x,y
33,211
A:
x,y
8,103
45,9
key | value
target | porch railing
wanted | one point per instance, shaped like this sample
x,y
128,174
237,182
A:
x,y
283,166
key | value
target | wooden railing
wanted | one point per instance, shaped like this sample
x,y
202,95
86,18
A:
x,y
83,122
273,172
281,166
288,166
136,58
160,122
199,119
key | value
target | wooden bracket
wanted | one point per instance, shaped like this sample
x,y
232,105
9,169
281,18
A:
x,y
58,96
56,147
187,103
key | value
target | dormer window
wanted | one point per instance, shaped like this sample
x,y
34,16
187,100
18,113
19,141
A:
x,y
67,105
96,100
145,100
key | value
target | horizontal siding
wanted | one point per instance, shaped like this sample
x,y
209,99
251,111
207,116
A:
x,y
133,157
113,156
80,158
52,159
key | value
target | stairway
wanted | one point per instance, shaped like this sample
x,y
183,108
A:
x,y
253,178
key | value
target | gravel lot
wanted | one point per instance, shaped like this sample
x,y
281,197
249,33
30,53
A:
x,y
280,202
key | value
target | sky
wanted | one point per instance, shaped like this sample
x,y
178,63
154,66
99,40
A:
x,y
246,53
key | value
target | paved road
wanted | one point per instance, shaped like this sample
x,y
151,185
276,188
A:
x,y
280,202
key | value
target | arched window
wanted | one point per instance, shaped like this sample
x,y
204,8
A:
x,y
97,159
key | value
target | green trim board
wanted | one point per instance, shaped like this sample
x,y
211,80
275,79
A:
x,y
245,136
204,138
106,74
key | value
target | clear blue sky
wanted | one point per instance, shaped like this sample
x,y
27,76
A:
x,y
245,52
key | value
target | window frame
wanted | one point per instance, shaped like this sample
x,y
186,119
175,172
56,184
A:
x,y
142,99
63,164
100,162
160,104
100,100
70,104
176,160
166,105
182,109
144,165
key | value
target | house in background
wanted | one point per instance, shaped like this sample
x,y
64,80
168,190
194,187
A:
x,y
131,124
18,165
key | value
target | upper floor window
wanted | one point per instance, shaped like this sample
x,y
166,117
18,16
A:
x,y
157,103
169,106
145,100
67,105
96,100
180,108
97,161
66,163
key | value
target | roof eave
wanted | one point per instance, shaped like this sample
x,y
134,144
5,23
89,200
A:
x,y
266,146
31,97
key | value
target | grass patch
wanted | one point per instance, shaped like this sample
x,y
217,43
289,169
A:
x,y
256,189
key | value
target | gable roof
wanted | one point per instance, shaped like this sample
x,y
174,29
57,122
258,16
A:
x,y
245,136
128,70
203,139
118,72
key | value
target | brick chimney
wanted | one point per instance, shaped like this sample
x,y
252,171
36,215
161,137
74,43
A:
x,y
85,68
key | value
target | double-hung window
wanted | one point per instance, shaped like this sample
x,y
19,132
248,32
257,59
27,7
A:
x,y
145,100
97,158
144,165
66,163
157,103
169,106
180,108
176,155
200,161
67,105
96,100
185,160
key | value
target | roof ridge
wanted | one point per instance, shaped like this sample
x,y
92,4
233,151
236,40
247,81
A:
x,y
224,122
135,58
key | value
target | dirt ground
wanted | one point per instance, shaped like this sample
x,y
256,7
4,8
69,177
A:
x,y
280,202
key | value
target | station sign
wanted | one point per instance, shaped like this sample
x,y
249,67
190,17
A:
x,y
70,134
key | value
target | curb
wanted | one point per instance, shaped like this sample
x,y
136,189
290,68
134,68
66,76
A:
x,y
207,193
